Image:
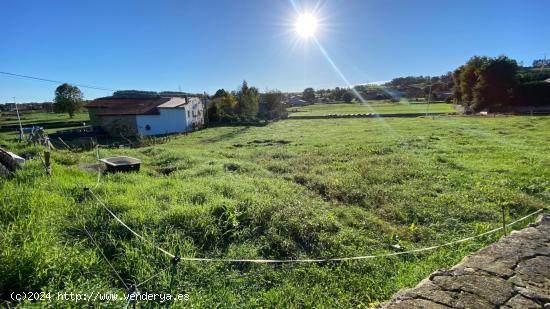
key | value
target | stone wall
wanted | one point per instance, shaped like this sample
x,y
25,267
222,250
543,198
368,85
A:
x,y
511,273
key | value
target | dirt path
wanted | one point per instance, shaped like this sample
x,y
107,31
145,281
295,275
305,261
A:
x,y
512,273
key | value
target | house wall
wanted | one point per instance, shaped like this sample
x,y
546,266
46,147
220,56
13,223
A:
x,y
115,125
189,117
170,120
195,113
95,121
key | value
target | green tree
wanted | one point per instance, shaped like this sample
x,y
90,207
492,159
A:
x,y
248,101
496,83
228,103
309,95
222,108
457,91
347,97
220,93
469,78
337,93
272,107
68,99
213,111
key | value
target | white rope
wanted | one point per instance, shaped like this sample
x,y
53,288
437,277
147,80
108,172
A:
x,y
127,227
104,257
364,257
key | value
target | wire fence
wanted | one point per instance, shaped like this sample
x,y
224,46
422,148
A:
x,y
314,260
175,257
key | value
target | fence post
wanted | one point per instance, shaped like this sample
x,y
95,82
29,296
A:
x,y
504,219
132,295
173,273
47,162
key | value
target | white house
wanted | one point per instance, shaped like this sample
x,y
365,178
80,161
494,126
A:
x,y
296,101
176,115
146,116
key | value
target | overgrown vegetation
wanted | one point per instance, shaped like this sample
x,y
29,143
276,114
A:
x,y
292,189
246,105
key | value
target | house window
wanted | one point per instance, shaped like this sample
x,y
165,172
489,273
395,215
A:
x,y
147,127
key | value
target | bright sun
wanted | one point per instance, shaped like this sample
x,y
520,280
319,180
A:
x,y
306,25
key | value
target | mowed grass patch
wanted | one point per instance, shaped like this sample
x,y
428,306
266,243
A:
x,y
333,188
372,107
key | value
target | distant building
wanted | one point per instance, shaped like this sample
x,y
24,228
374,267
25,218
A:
x,y
146,116
296,101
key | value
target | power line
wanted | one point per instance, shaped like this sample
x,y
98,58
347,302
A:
x,y
56,81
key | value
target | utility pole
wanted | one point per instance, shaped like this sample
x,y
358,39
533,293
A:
x,y
18,119
429,95
205,108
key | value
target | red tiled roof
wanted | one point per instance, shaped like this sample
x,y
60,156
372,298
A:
x,y
120,106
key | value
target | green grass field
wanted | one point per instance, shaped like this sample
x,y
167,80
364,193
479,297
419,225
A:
x,y
374,107
292,189
30,118
34,117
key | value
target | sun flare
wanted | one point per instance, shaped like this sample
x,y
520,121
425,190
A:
x,y
306,25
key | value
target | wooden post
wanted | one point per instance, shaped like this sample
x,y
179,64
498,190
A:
x,y
132,290
173,273
47,162
504,220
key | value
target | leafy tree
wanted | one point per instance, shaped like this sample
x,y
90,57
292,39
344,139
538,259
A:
x,y
486,83
347,97
213,111
497,81
534,94
272,107
68,99
465,78
222,108
228,103
337,93
309,95
220,93
457,91
248,101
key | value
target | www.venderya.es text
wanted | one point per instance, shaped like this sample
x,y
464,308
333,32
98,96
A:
x,y
98,296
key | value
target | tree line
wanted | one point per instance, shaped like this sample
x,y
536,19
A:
x,y
482,83
410,87
246,104
499,84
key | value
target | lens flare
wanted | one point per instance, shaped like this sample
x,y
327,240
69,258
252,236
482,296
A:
x,y
306,25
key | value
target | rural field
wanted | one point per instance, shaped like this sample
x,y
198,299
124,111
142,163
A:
x,y
289,190
31,117
373,107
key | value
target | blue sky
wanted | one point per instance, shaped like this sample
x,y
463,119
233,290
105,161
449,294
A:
x,y
205,45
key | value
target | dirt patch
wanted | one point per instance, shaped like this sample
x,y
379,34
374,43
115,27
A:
x,y
264,142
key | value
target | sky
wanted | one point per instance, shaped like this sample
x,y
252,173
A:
x,y
201,46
